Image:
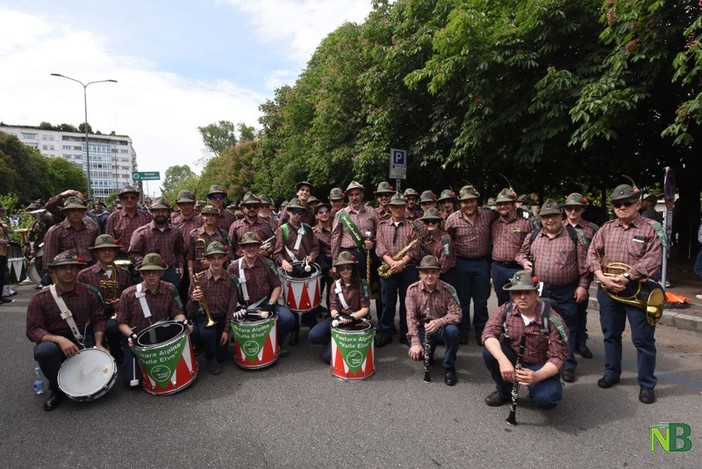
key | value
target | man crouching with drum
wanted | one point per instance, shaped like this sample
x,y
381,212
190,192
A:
x,y
145,304
433,316
212,300
349,301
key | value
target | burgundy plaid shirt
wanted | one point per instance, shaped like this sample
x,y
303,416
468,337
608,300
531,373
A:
x,y
323,236
471,240
150,239
261,279
508,237
44,316
540,349
121,226
93,276
381,214
436,245
441,303
63,236
637,245
389,244
365,219
226,219
353,294
220,294
200,233
239,227
163,304
308,246
185,226
589,229
558,261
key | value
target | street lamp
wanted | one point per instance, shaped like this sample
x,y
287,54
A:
x,y
85,104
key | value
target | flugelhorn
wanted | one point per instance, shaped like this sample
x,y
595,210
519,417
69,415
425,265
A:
x,y
109,287
203,301
652,304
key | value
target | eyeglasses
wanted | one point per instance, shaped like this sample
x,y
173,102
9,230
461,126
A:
x,y
297,211
344,267
322,211
217,196
622,204
554,215
573,208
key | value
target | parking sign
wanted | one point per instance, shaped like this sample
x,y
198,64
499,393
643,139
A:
x,y
398,164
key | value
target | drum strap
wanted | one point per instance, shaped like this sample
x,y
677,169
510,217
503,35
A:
x,y
242,280
298,241
66,314
141,296
340,295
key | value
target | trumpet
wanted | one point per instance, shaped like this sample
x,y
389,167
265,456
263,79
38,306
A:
x,y
203,301
109,287
266,245
384,271
652,304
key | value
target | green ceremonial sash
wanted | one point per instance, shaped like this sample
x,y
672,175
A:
x,y
351,227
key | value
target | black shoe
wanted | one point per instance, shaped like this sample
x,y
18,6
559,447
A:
x,y
464,337
404,340
496,399
583,351
7,299
214,368
647,395
450,377
294,338
568,376
382,340
607,382
56,398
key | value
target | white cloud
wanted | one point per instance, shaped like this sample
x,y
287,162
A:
x,y
300,25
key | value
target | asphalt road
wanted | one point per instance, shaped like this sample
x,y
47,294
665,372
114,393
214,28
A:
x,y
296,414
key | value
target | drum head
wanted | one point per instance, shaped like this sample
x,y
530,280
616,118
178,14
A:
x,y
356,326
87,373
299,271
159,333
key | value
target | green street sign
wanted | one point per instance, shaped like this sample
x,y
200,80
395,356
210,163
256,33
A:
x,y
146,176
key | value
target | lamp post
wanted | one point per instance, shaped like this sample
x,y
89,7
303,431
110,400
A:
x,y
85,105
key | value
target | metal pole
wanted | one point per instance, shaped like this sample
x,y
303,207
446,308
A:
x,y
85,124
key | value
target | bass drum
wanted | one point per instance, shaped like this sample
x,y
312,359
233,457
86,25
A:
x,y
34,270
88,375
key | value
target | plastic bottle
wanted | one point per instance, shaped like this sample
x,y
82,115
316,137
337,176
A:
x,y
38,381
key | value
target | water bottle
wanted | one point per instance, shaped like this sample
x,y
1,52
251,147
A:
x,y
38,381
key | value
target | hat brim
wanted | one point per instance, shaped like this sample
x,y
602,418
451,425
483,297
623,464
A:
x,y
105,246
59,264
74,207
212,253
151,267
550,212
510,287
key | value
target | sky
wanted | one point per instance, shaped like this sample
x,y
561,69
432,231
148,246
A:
x,y
179,64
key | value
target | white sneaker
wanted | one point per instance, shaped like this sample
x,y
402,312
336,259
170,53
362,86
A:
x,y
699,297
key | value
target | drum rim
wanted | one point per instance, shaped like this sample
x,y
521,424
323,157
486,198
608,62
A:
x,y
367,323
160,344
99,391
255,321
314,273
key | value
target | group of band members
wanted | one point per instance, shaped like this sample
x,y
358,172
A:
x,y
435,259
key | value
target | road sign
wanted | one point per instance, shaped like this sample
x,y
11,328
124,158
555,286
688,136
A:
x,y
398,164
146,176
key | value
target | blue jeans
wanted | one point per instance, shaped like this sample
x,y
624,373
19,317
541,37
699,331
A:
x,y
566,306
545,394
130,367
471,279
581,330
321,334
286,322
209,337
50,357
390,289
448,335
500,277
613,316
698,263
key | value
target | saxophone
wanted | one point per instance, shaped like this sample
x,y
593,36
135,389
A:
x,y
384,270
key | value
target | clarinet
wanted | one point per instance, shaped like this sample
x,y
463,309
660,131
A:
x,y
427,352
512,418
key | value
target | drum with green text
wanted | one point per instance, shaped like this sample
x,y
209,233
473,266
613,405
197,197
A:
x,y
352,351
255,342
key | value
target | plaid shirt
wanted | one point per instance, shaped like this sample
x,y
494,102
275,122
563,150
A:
x,y
381,214
163,304
308,245
185,226
387,244
261,279
121,226
200,233
637,245
271,222
558,261
226,219
93,276
471,240
239,227
323,236
441,303
540,349
436,244
588,228
220,294
44,316
63,236
353,295
508,237
150,239
365,219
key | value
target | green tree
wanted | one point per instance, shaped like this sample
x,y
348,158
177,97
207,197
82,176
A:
x,y
62,174
22,170
218,136
246,133
67,128
174,175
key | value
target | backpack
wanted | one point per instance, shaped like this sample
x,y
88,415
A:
x,y
546,320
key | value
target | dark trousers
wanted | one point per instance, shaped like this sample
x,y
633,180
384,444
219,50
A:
x,y
581,330
450,336
209,337
471,279
114,339
50,357
545,394
321,334
500,277
390,289
566,306
3,268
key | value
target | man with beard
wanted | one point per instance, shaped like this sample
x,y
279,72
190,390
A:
x,y
413,211
158,237
508,233
123,222
447,202
251,222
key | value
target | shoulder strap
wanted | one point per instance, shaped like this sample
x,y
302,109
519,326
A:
x,y
533,235
452,291
225,237
573,234
271,265
284,228
660,231
66,314
141,296
547,318
447,246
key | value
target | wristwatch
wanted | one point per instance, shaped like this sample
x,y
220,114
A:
x,y
627,275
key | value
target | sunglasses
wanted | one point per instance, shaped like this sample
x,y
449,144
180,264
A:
x,y
344,267
431,222
622,204
322,211
217,197
297,211
574,208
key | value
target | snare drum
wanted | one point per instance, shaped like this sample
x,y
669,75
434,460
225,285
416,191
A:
x,y
352,350
88,375
302,294
165,357
255,342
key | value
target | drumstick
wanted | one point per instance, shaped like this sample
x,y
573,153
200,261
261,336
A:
x,y
134,382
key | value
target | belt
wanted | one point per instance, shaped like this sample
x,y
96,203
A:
x,y
481,258
509,265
